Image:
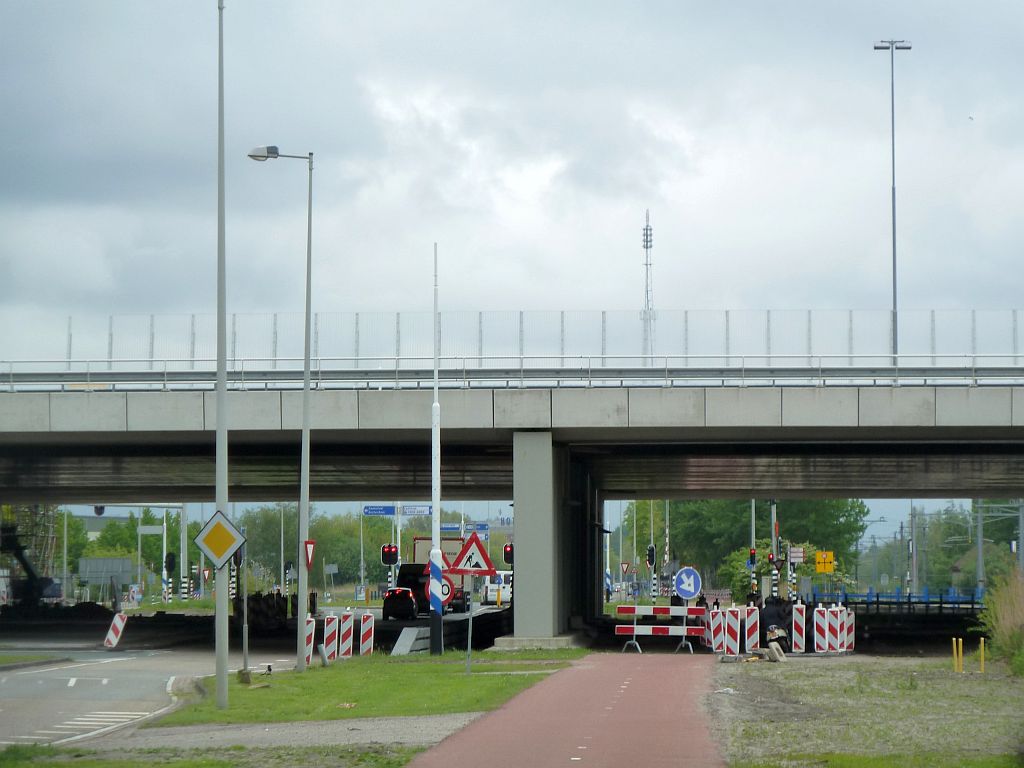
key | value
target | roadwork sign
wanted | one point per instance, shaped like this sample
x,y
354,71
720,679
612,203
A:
x,y
473,559
824,562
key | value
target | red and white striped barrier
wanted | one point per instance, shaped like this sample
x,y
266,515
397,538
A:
x,y
798,636
116,629
820,630
366,635
752,635
851,631
310,633
331,637
716,629
695,611
659,630
732,631
836,630
345,636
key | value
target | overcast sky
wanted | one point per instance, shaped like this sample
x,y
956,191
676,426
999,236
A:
x,y
526,138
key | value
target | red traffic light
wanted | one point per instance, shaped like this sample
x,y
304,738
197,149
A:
x,y
753,556
507,553
389,554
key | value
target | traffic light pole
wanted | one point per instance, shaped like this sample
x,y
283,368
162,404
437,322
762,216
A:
x,y
436,605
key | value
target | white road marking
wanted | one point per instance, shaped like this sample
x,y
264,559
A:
x,y
134,714
105,681
40,730
74,666
71,682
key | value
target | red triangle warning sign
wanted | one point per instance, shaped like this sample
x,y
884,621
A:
x,y
473,559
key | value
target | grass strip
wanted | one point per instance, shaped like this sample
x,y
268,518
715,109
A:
x,y
23,658
368,756
928,760
373,686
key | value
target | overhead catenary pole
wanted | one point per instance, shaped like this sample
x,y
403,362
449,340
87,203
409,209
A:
x,y
979,569
221,463
436,604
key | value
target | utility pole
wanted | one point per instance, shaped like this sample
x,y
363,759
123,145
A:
x,y
979,570
913,549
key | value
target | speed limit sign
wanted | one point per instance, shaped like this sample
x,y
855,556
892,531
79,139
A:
x,y
447,589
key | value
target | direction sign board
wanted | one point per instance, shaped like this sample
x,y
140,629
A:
x,y
473,559
796,555
687,583
219,539
377,510
412,510
451,527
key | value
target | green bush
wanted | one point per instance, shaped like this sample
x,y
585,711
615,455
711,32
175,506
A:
x,y
1003,619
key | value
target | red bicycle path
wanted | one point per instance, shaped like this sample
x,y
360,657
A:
x,y
608,709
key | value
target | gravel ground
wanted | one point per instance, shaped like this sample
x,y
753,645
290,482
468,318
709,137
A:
x,y
865,705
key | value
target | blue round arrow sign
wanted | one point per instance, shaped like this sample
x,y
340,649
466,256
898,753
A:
x,y
687,583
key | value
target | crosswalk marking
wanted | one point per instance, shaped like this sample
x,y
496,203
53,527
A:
x,y
80,726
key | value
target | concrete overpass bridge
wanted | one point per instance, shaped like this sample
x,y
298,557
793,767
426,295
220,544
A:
x,y
557,434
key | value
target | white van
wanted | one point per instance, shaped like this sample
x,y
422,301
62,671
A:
x,y
498,585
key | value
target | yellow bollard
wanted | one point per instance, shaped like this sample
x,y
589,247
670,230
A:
x,y
498,600
960,653
982,649
954,655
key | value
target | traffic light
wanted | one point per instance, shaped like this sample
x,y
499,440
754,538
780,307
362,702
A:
x,y
650,555
771,558
389,554
169,561
507,553
752,560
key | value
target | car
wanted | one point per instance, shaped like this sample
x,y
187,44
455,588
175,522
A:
x,y
460,601
411,577
399,603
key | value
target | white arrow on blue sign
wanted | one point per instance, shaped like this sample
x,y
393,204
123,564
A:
x,y
373,510
687,583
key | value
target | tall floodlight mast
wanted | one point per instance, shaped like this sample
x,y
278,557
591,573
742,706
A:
x,y
648,241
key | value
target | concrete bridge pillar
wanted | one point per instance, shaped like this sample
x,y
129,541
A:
x,y
539,593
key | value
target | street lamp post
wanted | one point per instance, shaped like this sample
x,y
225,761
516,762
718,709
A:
x,y
892,46
270,153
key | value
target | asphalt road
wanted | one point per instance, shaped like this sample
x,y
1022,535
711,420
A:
x,y
93,692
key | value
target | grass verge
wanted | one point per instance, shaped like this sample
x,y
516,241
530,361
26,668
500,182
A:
x,y
377,686
373,756
22,658
867,711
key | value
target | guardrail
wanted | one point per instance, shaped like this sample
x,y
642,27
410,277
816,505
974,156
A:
x,y
533,371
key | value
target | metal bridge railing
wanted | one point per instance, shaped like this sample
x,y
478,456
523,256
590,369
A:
x,y
509,371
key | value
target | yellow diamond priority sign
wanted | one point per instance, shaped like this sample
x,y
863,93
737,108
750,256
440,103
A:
x,y
219,539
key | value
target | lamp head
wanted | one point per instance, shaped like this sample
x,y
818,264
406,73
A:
x,y
264,153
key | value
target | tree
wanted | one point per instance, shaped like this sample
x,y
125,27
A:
x,y
78,539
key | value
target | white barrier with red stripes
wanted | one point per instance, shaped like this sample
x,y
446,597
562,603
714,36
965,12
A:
x,y
834,634
663,630
732,631
310,633
851,632
695,611
821,630
366,635
798,643
116,630
717,631
752,635
331,636
345,635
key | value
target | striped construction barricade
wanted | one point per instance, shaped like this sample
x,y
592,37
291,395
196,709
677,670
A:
x,y
716,628
821,630
851,630
310,634
833,625
659,630
752,634
116,630
331,636
346,632
732,631
366,634
798,637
